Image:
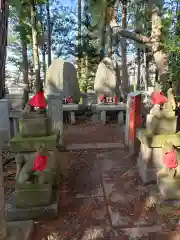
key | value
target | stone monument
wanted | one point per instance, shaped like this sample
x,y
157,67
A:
x,y
37,176
161,125
107,84
61,78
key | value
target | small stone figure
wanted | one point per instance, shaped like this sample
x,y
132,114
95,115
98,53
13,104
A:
x,y
33,169
163,107
170,161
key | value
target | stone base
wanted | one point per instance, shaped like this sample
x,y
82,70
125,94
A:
x,y
35,213
29,144
169,188
168,206
157,141
149,161
147,175
21,230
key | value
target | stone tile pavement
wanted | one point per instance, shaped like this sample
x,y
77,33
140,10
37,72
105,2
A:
x,y
102,198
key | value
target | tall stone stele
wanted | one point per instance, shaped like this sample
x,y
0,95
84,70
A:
x,y
61,78
108,79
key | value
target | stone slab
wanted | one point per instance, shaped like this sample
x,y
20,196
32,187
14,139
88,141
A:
x,y
35,213
156,141
95,146
21,144
70,107
138,232
111,107
20,230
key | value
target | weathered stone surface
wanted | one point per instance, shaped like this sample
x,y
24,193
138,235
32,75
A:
x,y
28,144
36,127
62,77
165,125
167,206
41,212
139,232
106,80
149,160
169,188
4,120
55,112
157,141
29,195
21,230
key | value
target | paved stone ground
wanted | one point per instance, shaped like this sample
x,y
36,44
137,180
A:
x,y
103,198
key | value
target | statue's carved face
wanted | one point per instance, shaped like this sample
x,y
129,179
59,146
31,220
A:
x,y
42,150
167,147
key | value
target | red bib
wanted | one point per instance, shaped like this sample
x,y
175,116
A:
x,y
158,98
40,163
170,159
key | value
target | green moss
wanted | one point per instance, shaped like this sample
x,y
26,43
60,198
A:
x,y
24,144
19,138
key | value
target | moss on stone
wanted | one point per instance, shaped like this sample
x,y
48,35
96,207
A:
x,y
28,144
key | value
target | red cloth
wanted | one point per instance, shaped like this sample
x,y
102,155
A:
x,y
102,98
158,98
40,162
116,99
38,100
170,159
69,99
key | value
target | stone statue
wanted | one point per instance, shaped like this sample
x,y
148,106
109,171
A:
x,y
163,109
25,172
107,82
171,166
61,78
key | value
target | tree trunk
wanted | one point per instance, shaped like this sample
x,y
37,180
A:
x,y
79,57
49,33
103,36
138,69
145,71
110,43
3,43
154,42
160,56
125,79
43,47
25,72
35,47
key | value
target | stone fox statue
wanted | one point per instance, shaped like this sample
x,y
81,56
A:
x,y
170,161
35,169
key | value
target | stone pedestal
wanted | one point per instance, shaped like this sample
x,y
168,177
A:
x,y
34,213
169,188
149,160
29,144
33,194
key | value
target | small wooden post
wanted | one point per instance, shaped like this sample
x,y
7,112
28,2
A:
x,y
133,119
